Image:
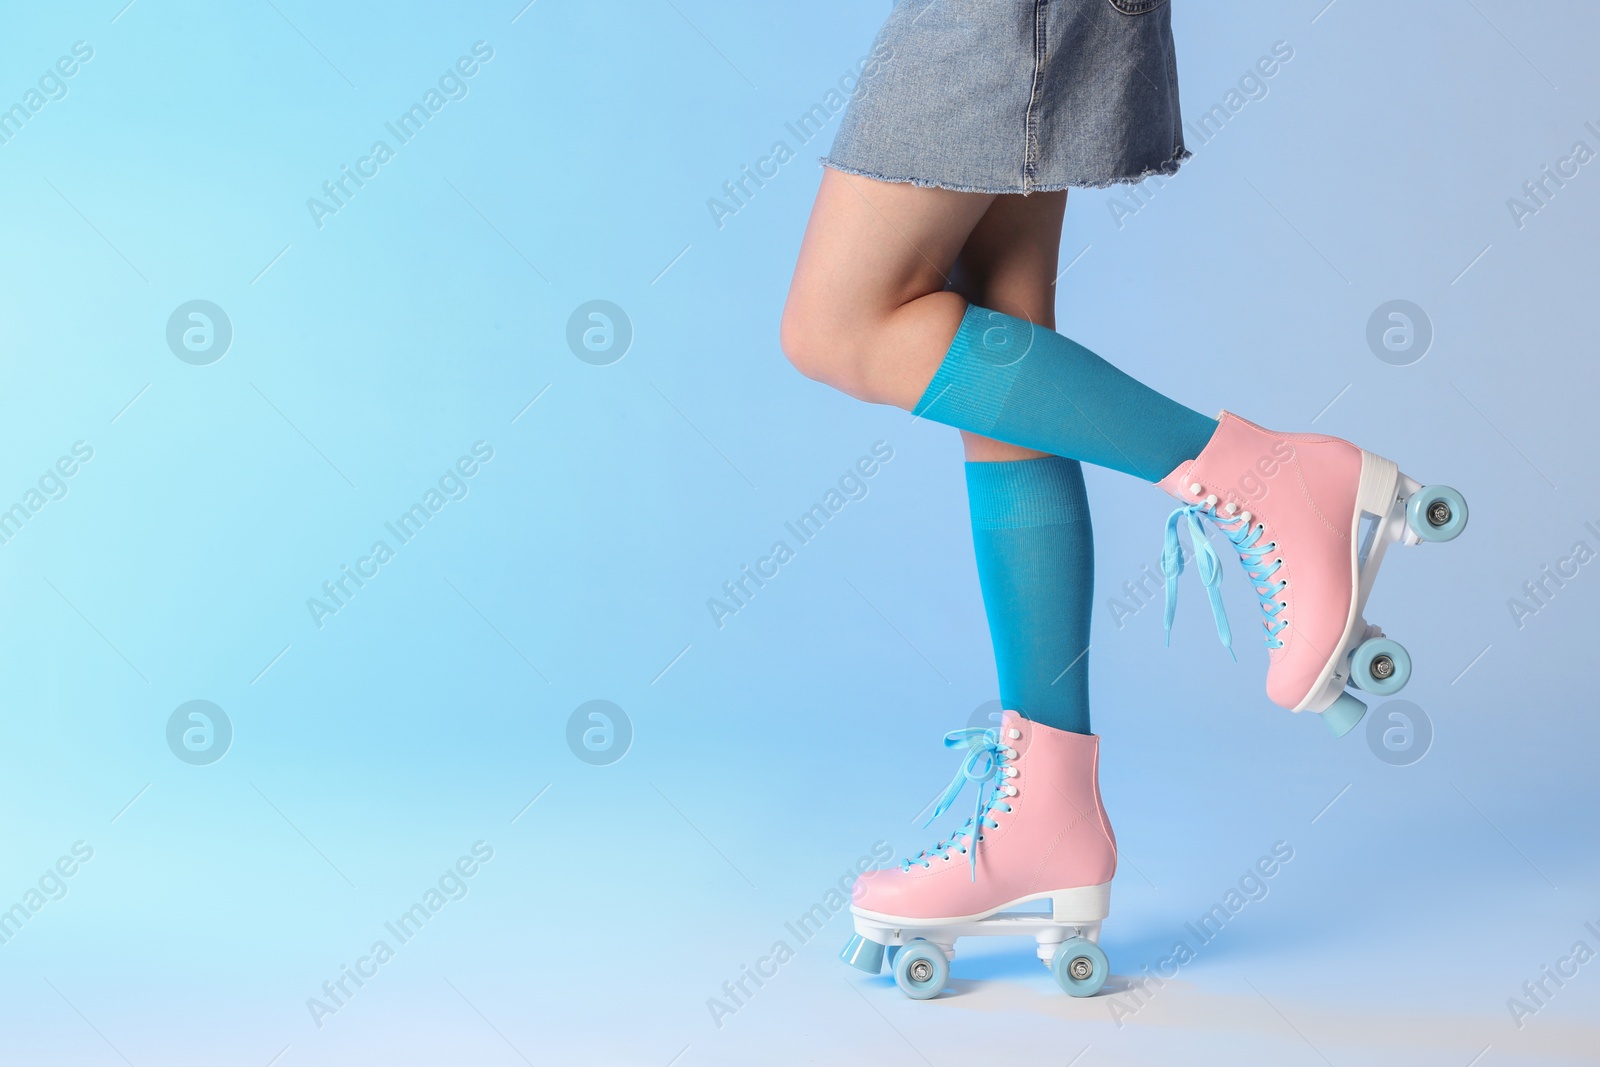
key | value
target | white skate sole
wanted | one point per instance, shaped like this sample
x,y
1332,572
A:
x,y
1393,508
1085,904
920,950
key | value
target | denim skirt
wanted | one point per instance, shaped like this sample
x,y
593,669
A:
x,y
1016,96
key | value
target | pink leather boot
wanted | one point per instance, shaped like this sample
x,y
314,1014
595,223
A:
x,y
1310,517
1038,833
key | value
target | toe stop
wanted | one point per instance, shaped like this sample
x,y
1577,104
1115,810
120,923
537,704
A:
x,y
863,954
1342,715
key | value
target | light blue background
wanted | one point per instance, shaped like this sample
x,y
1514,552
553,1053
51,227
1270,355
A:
x,y
770,754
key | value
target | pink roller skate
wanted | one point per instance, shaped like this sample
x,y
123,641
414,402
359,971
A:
x,y
1038,834
1311,517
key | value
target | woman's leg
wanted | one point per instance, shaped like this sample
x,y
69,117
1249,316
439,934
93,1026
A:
x,y
1009,264
872,297
867,311
866,316
1030,515
1045,828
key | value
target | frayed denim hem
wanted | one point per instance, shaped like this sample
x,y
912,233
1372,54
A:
x,y
1166,168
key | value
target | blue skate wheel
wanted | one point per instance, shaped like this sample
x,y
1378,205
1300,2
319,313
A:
x,y
1380,666
920,970
1437,513
890,953
863,954
1080,967
1342,715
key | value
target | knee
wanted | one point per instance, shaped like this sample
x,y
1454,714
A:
x,y
823,348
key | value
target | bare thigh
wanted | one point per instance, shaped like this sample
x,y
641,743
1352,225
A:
x,y
868,310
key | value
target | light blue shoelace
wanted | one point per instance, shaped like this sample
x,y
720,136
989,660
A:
x,y
985,762
1241,533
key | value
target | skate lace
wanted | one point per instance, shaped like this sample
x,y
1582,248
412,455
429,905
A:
x,y
1246,539
987,764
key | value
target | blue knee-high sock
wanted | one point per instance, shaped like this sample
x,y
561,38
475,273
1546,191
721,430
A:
x,y
1030,527
1023,384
